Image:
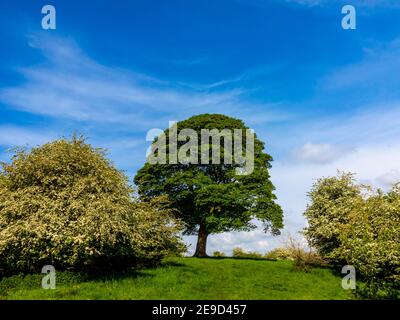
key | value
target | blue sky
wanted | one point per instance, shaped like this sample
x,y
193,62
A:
x,y
322,98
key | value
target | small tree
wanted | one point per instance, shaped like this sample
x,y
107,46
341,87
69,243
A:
x,y
213,198
65,204
358,228
331,201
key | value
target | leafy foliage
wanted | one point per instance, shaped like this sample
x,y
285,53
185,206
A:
x,y
351,226
65,204
331,201
212,196
371,243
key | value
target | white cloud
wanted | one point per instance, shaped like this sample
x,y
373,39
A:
x,y
389,178
13,136
366,125
317,153
370,163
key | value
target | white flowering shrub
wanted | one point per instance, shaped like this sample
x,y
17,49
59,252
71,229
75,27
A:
x,y
331,201
65,204
350,226
371,243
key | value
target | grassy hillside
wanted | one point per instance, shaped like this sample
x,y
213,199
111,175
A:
x,y
187,278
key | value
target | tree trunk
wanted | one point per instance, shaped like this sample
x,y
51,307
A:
x,y
201,242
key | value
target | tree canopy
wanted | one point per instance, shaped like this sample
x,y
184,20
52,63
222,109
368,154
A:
x,y
212,198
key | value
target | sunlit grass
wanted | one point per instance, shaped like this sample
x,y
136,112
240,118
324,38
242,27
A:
x,y
188,278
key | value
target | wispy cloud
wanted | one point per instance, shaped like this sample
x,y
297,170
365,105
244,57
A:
x,y
71,85
13,136
379,70
367,125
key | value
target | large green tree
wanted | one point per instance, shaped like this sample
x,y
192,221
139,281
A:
x,y
213,198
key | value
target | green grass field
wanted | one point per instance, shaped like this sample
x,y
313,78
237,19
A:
x,y
188,278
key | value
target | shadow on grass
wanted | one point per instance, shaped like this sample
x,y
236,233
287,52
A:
x,y
65,277
335,269
117,275
130,272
